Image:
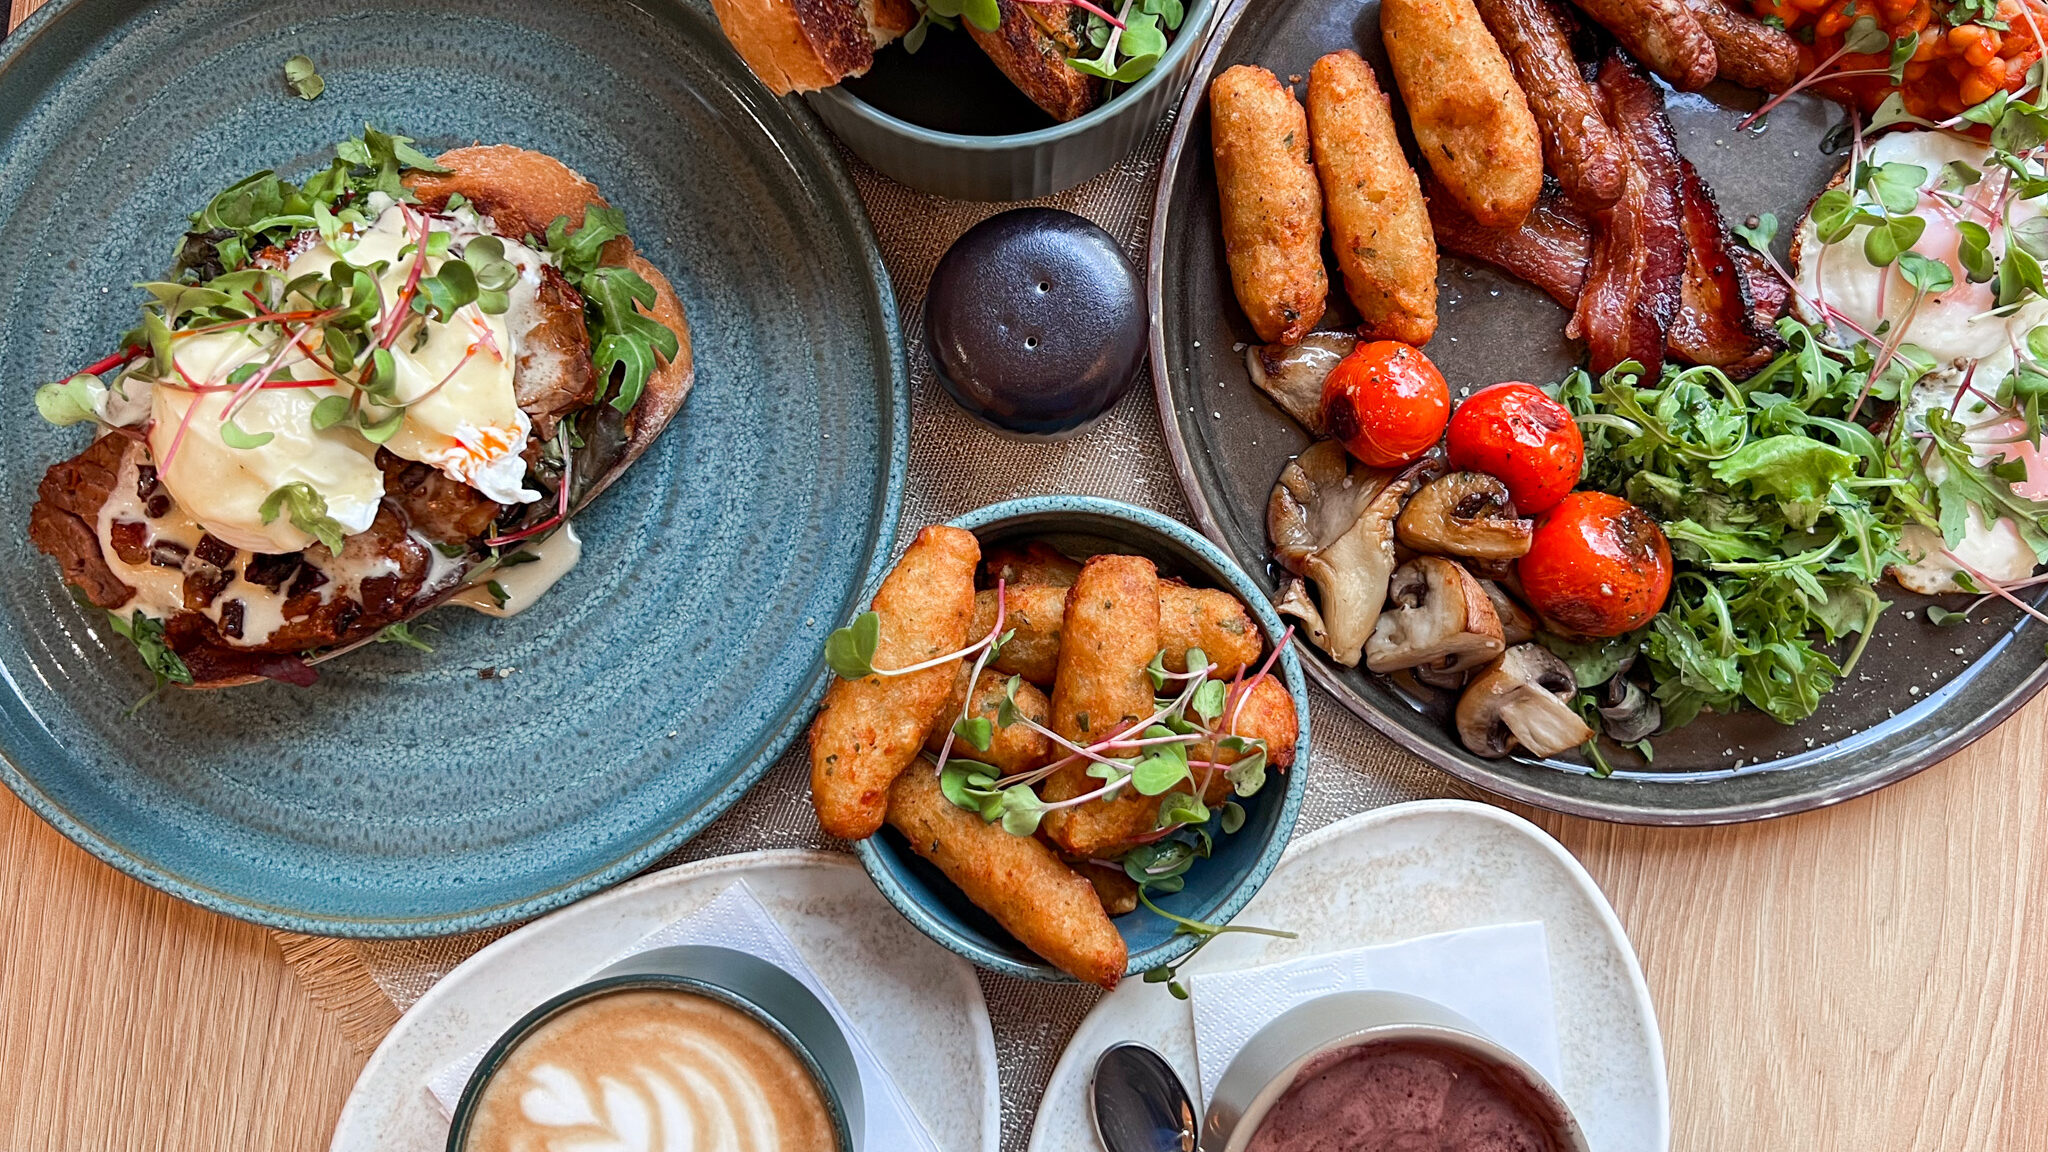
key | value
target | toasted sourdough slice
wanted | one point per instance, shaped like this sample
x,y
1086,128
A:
x,y
111,479
1031,45
805,45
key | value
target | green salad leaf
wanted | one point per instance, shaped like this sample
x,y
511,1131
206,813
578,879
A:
x,y
1783,512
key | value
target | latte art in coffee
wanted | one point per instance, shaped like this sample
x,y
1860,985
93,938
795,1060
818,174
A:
x,y
652,1071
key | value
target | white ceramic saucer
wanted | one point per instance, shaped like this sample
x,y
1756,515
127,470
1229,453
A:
x,y
918,1004
1399,872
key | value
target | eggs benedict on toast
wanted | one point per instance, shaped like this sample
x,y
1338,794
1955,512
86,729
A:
x,y
355,398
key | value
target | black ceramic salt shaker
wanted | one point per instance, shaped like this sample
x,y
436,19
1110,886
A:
x,y
1035,322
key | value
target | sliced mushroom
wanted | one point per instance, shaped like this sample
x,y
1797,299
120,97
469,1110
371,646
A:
x,y
1521,699
1517,624
1293,374
1437,618
1465,514
1332,520
1294,601
1627,712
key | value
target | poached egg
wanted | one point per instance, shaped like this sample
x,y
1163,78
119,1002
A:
x,y
454,381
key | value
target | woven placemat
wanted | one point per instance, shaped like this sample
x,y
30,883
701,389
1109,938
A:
x,y
955,465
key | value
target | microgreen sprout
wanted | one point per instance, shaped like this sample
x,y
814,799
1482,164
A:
x,y
1168,974
303,78
1864,38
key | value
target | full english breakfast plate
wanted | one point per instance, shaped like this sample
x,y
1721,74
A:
x,y
500,384
1692,292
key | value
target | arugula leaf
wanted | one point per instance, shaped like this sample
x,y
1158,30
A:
x,y
147,634
1787,467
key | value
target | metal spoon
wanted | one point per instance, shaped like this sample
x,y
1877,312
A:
x,y
1138,1104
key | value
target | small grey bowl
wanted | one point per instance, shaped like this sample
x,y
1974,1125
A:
x,y
1022,165
1265,1068
1218,887
774,998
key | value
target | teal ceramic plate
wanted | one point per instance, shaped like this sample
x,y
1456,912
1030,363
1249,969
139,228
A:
x,y
524,762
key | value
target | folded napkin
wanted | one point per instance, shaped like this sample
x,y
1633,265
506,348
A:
x,y
1497,977
736,920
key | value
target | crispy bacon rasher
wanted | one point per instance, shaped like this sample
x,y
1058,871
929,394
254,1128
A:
x,y
1549,249
1634,278
1657,273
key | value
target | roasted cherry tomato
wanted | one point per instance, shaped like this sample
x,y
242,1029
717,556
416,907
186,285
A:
x,y
1521,435
1599,566
1386,402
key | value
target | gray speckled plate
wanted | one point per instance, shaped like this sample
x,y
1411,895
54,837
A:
x,y
405,794
1920,694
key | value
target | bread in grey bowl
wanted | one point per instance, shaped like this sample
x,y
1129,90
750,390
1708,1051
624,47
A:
x,y
944,120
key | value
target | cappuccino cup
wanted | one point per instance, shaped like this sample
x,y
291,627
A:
x,y
683,1049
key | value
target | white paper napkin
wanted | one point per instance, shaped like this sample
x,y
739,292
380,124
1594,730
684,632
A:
x,y
737,920
1497,977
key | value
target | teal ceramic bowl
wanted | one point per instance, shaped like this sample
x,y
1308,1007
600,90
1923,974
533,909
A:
x,y
946,121
773,998
1217,888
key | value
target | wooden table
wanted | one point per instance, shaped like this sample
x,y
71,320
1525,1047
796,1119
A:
x,y
1858,978
1861,978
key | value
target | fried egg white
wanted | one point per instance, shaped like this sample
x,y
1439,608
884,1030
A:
x,y
1956,330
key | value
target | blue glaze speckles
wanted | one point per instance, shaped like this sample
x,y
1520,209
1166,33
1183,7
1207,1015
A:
x,y
407,794
1217,888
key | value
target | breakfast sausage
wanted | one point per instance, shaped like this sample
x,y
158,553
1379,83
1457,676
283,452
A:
x,y
1471,120
1106,829
1583,152
1272,211
1016,879
869,730
1751,53
1204,618
1018,748
1378,222
1664,35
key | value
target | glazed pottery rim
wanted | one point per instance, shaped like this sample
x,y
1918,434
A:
x,y
1197,27
1453,1031
1501,782
508,1041
894,428
1288,667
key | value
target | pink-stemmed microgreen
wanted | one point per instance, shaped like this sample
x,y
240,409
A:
x,y
1863,38
1996,588
976,730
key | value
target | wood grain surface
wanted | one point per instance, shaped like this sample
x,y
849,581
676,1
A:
x,y
1872,977
1869,977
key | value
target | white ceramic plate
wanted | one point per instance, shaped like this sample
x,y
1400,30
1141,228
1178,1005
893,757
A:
x,y
918,1004
1399,872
